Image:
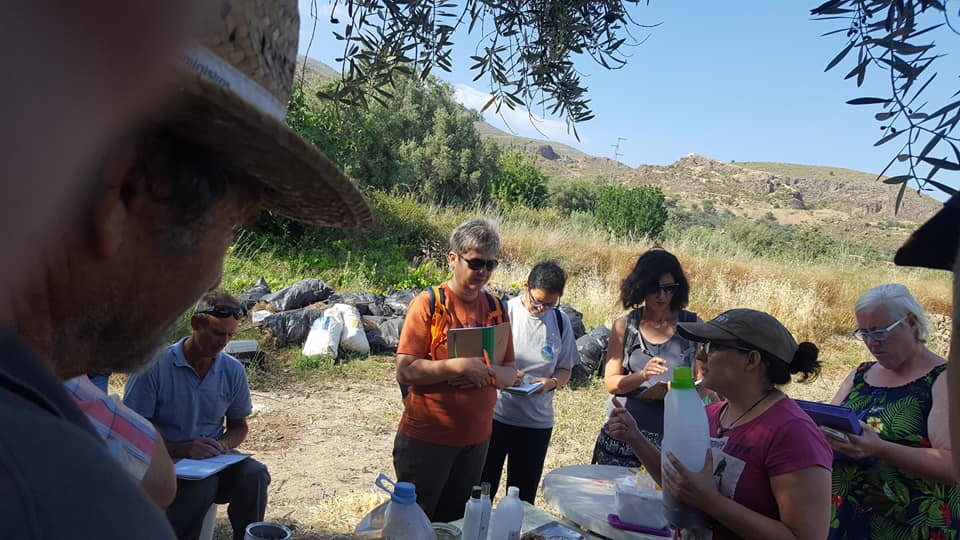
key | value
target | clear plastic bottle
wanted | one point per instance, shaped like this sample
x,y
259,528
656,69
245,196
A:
x,y
487,507
405,519
472,515
686,434
508,519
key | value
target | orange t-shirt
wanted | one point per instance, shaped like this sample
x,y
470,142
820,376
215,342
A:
x,y
440,413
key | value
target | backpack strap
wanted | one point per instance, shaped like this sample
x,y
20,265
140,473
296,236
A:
x,y
559,315
438,319
631,335
687,316
495,315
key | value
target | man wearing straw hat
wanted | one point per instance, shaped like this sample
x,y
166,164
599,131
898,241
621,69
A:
x,y
143,246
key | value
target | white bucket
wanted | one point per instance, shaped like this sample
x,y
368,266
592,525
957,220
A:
x,y
264,530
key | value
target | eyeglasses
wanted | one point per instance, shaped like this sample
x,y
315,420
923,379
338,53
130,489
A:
x,y
537,304
669,288
476,264
721,346
876,335
222,312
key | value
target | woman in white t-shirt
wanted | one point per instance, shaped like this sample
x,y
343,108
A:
x,y
545,352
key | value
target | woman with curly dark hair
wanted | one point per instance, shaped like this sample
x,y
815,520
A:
x,y
645,347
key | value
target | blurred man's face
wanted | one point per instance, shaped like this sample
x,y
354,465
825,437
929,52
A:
x,y
211,334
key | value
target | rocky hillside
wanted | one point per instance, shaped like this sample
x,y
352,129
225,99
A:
x,y
842,202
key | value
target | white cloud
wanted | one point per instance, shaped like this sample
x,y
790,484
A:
x,y
518,121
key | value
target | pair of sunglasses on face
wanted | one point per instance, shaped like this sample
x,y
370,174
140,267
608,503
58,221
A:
x,y
669,288
477,264
222,312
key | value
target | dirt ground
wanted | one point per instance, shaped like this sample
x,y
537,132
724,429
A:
x,y
325,438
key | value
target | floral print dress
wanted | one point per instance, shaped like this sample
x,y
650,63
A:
x,y
879,501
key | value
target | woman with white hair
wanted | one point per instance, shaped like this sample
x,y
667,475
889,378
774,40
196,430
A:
x,y
901,482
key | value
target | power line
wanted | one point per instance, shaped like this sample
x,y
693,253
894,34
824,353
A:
x,y
616,156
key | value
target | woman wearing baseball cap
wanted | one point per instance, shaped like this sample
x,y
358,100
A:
x,y
768,474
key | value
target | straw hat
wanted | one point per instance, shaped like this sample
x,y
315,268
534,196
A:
x,y
232,95
935,243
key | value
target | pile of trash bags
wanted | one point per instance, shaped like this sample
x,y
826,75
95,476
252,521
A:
x,y
310,313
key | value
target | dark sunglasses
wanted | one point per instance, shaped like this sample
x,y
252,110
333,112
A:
x,y
222,312
476,264
671,288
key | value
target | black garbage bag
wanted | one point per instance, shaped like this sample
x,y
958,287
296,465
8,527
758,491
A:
x,y
386,337
291,327
390,330
593,352
576,320
366,303
250,298
377,344
300,294
396,302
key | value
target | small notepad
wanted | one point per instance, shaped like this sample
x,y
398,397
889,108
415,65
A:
x,y
524,389
198,469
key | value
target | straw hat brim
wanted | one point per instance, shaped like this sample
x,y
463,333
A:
x,y
934,244
298,181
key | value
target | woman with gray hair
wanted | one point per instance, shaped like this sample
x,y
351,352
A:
x,y
896,479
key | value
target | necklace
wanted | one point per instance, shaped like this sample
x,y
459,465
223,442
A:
x,y
721,430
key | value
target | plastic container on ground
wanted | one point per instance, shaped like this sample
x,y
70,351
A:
x,y
487,506
472,516
686,434
508,519
404,519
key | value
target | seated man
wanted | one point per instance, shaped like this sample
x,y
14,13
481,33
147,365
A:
x,y
187,393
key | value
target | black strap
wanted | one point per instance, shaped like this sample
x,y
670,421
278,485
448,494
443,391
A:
x,y
556,312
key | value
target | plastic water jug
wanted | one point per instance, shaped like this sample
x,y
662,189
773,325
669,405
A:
x,y
472,516
405,519
686,434
508,518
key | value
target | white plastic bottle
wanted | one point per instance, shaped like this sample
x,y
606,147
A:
x,y
472,515
686,434
487,506
405,519
508,518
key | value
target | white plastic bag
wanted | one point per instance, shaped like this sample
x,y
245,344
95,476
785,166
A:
x,y
353,338
324,336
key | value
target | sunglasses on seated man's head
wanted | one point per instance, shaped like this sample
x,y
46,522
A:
x,y
222,312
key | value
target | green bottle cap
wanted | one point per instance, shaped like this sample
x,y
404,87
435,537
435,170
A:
x,y
682,379
475,493
485,488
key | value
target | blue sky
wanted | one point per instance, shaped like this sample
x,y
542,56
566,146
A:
x,y
737,81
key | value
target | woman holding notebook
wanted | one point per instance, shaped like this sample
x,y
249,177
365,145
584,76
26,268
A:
x,y
545,351
644,348
909,488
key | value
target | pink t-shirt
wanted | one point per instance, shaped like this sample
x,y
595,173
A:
x,y
781,440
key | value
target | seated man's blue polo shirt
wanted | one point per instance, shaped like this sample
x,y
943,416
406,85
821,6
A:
x,y
183,406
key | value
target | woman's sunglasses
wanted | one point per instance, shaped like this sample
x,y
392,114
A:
x,y
476,264
222,312
670,288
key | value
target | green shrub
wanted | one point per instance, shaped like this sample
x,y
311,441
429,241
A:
x,y
578,196
631,211
519,182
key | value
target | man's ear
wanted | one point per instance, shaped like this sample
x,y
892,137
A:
x,y
111,211
452,257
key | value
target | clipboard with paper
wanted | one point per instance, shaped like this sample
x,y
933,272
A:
x,y
475,341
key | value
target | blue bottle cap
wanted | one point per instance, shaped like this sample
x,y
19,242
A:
x,y
404,493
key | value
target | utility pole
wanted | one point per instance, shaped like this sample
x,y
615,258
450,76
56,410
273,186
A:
x,y
616,156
